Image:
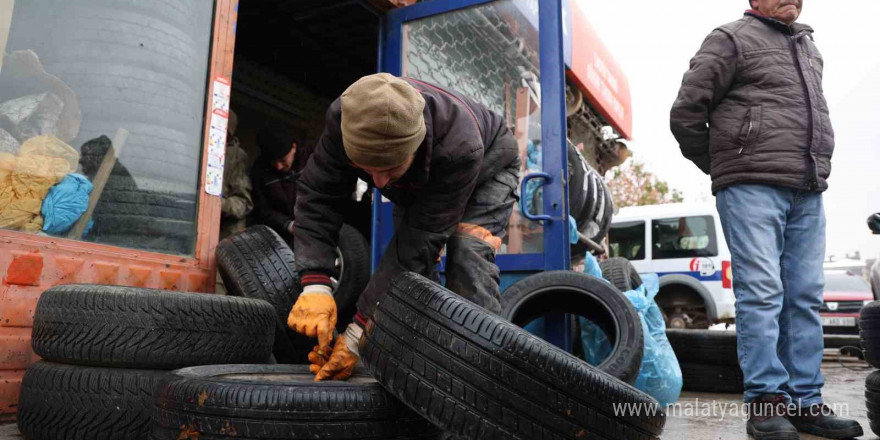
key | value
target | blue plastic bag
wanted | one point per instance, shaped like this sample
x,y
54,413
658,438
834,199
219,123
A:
x,y
595,343
660,373
65,203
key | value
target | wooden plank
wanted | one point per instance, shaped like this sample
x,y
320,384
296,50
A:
x,y
6,7
100,181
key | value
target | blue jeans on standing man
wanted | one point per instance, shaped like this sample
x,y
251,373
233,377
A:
x,y
776,237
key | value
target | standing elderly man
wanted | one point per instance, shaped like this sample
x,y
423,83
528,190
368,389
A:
x,y
751,113
450,165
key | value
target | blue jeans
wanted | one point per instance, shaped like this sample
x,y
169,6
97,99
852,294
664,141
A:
x,y
776,237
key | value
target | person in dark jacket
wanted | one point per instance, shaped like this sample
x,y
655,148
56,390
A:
x,y
450,165
274,177
752,114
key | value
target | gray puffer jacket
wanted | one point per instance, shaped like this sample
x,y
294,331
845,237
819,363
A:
x,y
751,108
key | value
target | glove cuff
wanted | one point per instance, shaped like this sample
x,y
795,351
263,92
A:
x,y
317,289
353,335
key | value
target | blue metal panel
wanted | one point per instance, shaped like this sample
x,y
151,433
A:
x,y
557,254
429,8
552,21
567,32
391,61
555,160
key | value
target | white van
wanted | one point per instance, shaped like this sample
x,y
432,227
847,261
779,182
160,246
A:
x,y
684,244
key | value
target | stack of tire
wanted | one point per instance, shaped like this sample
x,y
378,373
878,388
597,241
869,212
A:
x,y
435,365
869,333
106,349
590,202
441,367
708,360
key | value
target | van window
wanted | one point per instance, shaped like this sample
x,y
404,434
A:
x,y
627,240
684,237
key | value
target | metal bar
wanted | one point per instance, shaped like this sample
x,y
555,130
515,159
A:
x,y
591,245
553,129
390,60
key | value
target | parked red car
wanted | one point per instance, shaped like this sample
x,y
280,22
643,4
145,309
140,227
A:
x,y
845,295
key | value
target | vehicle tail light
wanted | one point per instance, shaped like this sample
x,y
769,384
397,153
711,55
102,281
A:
x,y
726,275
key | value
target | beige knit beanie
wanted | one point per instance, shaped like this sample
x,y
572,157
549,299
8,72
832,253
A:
x,y
382,121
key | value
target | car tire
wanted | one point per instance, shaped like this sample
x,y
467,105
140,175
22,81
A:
x,y
577,183
279,402
621,273
710,378
872,400
256,263
704,346
869,333
62,402
595,219
583,295
591,202
130,327
604,220
479,377
354,254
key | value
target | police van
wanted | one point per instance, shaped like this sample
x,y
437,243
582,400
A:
x,y
684,244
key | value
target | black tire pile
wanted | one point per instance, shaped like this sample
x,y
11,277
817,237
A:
x,y
590,202
869,333
433,366
708,360
106,349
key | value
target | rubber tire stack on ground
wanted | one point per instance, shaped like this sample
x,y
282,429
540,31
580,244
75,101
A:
x,y
280,402
257,263
106,346
708,360
580,294
480,377
869,323
872,400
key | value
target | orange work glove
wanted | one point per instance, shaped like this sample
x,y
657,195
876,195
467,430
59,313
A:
x,y
344,358
314,314
317,358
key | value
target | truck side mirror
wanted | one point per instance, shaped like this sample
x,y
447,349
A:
x,y
874,223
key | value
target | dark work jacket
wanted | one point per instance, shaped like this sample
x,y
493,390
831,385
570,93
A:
x,y
456,156
274,195
751,109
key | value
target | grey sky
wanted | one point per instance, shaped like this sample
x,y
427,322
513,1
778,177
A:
x,y
653,42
